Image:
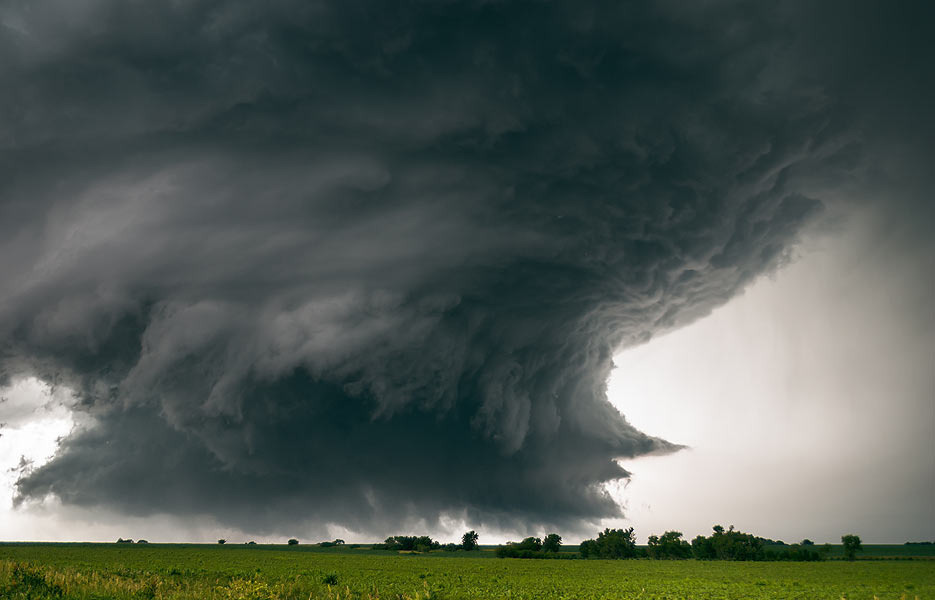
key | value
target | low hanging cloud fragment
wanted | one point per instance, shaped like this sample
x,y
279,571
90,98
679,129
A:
x,y
359,265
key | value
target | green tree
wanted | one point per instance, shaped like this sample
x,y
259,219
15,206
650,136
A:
x,y
469,540
409,543
728,545
588,548
610,543
530,547
851,545
552,543
293,542
531,543
702,548
222,541
670,545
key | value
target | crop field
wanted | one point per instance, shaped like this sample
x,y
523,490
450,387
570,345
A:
x,y
99,571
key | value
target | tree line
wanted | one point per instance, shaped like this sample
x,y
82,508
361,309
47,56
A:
x,y
424,543
722,544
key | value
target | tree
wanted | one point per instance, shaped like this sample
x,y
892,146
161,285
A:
x,y
807,542
702,548
728,545
530,543
552,543
669,545
588,548
469,540
851,545
222,541
409,543
530,547
293,542
610,543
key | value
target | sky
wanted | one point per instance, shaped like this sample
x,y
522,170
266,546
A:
x,y
336,269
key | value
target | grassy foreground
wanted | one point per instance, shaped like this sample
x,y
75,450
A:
x,y
216,572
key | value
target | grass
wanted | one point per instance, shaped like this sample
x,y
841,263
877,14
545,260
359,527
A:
x,y
99,571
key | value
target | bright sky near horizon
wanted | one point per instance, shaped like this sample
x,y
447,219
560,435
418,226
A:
x,y
793,423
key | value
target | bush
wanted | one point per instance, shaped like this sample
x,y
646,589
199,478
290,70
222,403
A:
x,y
29,582
222,541
293,542
794,552
533,547
528,548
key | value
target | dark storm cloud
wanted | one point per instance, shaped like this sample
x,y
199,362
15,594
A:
x,y
360,263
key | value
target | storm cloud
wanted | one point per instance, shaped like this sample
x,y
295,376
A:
x,y
365,263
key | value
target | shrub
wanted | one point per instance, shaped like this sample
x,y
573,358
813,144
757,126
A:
x,y
29,582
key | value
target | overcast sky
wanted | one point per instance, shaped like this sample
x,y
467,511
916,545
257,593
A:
x,y
321,269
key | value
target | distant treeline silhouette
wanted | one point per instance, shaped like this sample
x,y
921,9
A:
x,y
722,544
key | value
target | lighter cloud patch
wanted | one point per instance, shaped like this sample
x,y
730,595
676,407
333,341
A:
x,y
34,417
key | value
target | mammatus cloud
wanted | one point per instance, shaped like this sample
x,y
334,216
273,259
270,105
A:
x,y
354,264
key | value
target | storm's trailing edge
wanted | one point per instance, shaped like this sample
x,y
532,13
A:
x,y
357,262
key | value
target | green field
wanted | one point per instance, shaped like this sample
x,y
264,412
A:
x,y
102,571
